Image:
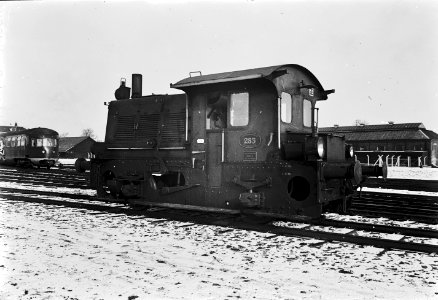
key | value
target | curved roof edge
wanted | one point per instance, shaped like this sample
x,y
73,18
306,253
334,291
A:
x,y
36,130
236,76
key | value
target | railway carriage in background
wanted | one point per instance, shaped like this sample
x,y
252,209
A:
x,y
237,141
29,147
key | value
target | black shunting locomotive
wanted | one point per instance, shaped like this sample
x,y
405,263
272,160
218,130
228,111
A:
x,y
236,141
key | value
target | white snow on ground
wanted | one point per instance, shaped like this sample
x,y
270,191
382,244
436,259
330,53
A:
x,y
408,173
36,188
413,173
65,254
406,192
52,253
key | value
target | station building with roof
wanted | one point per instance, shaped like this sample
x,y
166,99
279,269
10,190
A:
x,y
75,147
404,144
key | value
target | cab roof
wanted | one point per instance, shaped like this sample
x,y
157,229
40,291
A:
x,y
269,73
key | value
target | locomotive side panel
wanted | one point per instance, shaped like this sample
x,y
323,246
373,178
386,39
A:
x,y
157,121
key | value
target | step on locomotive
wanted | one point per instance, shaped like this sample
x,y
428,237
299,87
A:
x,y
236,141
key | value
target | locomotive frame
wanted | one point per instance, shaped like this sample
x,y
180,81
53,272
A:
x,y
236,141
30,147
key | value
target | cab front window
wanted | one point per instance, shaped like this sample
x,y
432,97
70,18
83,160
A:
x,y
307,113
47,142
286,107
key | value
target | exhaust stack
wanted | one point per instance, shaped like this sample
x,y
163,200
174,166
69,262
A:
x,y
137,85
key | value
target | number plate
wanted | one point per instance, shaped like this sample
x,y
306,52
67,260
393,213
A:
x,y
250,140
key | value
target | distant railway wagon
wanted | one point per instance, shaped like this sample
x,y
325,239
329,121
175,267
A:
x,y
29,147
237,141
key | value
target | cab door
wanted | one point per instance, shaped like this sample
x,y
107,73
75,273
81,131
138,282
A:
x,y
214,157
250,134
216,127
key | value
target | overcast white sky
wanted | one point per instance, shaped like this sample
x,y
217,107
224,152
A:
x,y
63,60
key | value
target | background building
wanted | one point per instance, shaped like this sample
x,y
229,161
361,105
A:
x,y
406,144
75,147
4,129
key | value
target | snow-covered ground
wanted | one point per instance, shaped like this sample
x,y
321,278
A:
x,y
408,173
52,253
65,253
413,173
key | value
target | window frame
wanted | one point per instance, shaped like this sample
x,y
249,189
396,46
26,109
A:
x,y
309,115
248,112
290,110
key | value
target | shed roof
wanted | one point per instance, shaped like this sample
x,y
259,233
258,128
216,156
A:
x,y
431,134
378,127
380,132
10,128
66,143
385,135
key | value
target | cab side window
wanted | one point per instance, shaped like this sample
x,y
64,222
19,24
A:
x,y
239,109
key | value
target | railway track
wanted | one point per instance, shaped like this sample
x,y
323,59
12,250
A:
x,y
325,230
51,178
402,184
397,206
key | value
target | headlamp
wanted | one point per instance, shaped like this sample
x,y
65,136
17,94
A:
x,y
349,151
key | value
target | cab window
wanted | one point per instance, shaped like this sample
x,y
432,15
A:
x,y
39,142
307,113
49,142
286,107
239,109
216,113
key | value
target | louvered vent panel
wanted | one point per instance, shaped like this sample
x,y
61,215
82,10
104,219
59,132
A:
x,y
173,132
125,128
148,126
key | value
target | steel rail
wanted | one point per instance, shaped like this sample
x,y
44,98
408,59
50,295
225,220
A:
x,y
69,184
417,232
268,228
